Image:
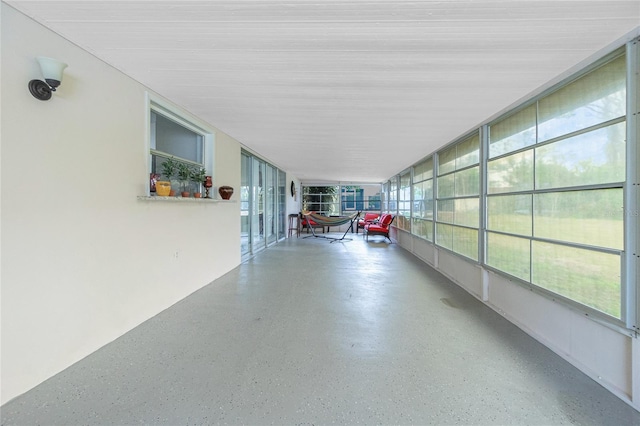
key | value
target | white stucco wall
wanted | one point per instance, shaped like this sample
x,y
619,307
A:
x,y
294,204
83,260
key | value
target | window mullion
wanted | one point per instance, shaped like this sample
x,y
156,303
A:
x,y
180,159
631,261
484,155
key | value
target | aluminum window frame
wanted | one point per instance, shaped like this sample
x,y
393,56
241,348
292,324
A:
x,y
438,198
630,255
627,312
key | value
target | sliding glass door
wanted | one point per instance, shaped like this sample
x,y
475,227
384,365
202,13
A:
x,y
257,206
270,205
262,204
245,204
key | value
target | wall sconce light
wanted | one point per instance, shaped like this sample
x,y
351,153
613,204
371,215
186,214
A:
x,y
52,72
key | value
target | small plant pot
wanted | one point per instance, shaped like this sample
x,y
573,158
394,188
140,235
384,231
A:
x,y
185,194
163,188
197,195
172,193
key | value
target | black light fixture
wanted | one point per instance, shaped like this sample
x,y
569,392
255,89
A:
x,y
52,72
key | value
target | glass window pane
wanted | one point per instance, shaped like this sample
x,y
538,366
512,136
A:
x,y
467,182
595,98
465,242
446,186
592,217
467,212
257,205
393,196
403,222
175,139
590,158
385,197
245,194
468,152
422,228
368,197
445,211
282,202
418,201
447,161
444,236
423,171
404,203
405,180
270,204
589,277
423,199
514,132
428,199
509,254
321,199
510,213
510,174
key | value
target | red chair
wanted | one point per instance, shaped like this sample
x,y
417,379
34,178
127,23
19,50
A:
x,y
368,218
382,227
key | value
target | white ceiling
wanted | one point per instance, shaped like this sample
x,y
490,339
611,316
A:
x,y
351,91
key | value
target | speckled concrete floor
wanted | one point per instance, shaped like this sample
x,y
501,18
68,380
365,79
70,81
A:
x,y
309,332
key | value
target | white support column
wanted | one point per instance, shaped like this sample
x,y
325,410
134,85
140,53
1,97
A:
x,y
631,273
632,214
485,284
482,231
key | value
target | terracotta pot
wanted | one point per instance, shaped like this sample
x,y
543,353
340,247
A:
x,y
225,192
186,194
163,188
197,195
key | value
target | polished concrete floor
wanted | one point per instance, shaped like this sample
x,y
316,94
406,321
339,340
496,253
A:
x,y
309,332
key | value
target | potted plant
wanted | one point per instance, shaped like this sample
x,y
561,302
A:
x,y
184,174
169,169
197,177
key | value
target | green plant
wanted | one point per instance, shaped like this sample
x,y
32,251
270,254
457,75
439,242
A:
x,y
198,175
169,168
184,174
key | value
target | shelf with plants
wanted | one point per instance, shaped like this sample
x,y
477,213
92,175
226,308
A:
x,y
190,179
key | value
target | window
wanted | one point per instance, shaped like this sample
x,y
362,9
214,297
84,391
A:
x,y
321,199
282,203
169,138
270,203
172,136
360,198
554,200
422,212
385,197
246,201
393,196
458,198
555,180
263,193
403,221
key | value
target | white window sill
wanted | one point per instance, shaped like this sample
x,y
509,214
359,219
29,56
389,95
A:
x,y
183,199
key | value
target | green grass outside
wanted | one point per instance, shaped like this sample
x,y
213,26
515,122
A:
x,y
589,277
594,232
586,276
